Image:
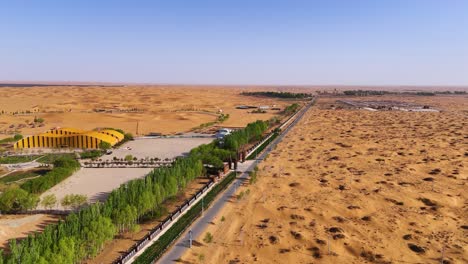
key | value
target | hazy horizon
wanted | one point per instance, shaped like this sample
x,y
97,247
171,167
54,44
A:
x,y
298,43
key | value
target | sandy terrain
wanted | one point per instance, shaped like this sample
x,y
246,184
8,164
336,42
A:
x,y
19,226
375,186
163,109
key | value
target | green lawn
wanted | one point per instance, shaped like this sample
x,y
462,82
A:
x,y
17,159
44,158
20,175
50,158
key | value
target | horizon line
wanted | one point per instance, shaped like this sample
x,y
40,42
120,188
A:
x,y
105,83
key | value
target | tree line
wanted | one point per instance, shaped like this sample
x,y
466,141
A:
x,y
83,234
365,92
284,95
291,109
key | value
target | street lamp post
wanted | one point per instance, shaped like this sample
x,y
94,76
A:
x,y
190,238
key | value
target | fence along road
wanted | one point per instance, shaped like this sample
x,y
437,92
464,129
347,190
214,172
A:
x,y
182,244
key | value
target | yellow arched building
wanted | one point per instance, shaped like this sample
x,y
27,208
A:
x,y
70,138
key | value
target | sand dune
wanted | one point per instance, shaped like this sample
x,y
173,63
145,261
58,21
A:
x,y
160,109
378,187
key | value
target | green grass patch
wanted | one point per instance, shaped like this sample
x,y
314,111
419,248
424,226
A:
x,y
51,158
21,175
262,147
155,251
91,154
17,159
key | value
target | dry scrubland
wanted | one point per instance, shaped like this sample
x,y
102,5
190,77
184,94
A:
x,y
165,109
380,186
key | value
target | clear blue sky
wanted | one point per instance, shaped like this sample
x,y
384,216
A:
x,y
374,42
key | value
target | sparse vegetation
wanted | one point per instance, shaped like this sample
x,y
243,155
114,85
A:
x,y
49,201
17,159
208,238
74,201
91,154
253,177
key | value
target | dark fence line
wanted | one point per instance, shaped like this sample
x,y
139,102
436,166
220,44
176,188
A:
x,y
51,211
159,228
120,165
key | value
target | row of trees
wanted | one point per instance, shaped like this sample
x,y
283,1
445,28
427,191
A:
x,y
253,132
365,92
286,95
83,234
291,109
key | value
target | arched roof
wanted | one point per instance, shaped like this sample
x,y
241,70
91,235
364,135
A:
x,y
114,133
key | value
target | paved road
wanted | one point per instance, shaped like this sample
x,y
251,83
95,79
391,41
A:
x,y
197,228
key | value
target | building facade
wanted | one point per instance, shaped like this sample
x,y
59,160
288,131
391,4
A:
x,y
70,138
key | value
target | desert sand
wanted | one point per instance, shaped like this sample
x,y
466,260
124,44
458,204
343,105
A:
x,y
371,187
160,109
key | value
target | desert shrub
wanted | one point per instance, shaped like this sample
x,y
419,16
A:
x,y
253,177
208,238
49,201
128,136
74,201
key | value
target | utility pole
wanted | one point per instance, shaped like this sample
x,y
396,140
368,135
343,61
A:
x,y
202,206
137,128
